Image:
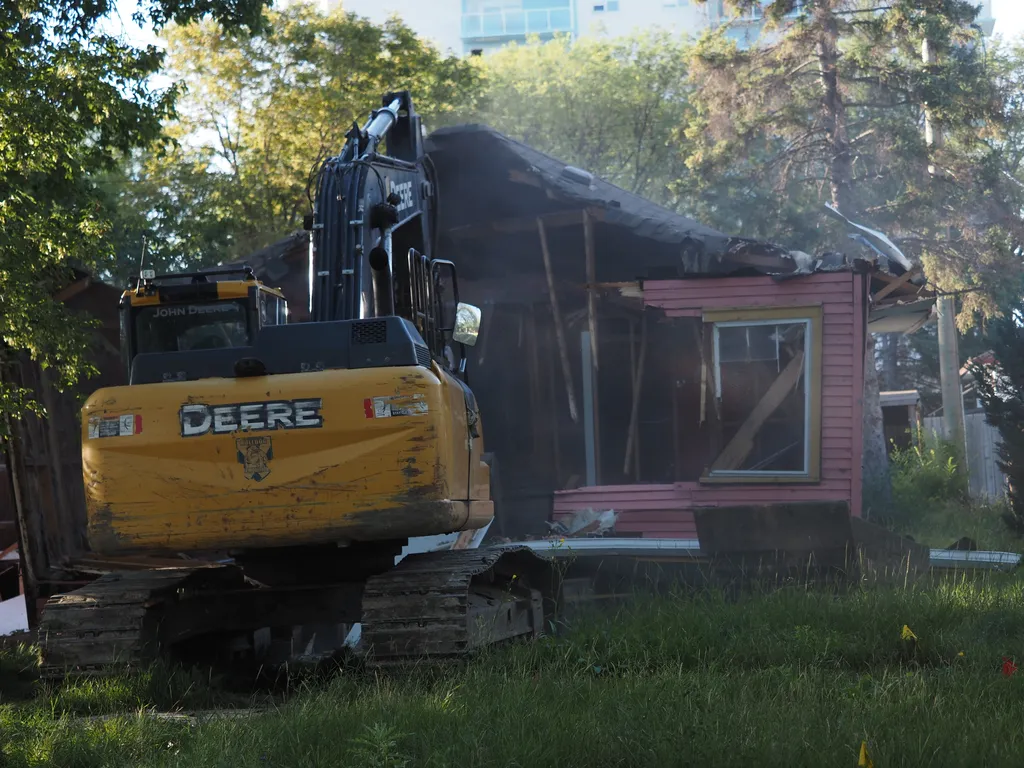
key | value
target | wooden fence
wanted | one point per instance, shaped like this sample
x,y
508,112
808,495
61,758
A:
x,y
987,480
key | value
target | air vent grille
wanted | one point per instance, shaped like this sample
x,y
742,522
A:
x,y
422,356
370,332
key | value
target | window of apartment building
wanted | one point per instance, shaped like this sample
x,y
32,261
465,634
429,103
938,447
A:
x,y
757,12
608,5
766,394
514,18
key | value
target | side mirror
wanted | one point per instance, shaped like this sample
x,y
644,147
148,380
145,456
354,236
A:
x,y
467,324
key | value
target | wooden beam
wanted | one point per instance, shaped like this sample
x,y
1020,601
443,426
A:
x,y
588,249
903,279
742,442
591,267
633,435
553,400
563,350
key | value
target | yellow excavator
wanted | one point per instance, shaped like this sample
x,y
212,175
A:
x,y
286,464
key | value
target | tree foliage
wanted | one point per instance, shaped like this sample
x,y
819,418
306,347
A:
x,y
831,109
891,113
1001,388
72,102
257,116
609,106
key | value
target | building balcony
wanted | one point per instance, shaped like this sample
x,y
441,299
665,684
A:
x,y
513,24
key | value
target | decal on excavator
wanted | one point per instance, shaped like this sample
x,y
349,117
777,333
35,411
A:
x,y
201,419
404,192
114,426
395,405
254,454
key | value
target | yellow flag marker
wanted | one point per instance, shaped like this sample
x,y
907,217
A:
x,y
908,633
864,761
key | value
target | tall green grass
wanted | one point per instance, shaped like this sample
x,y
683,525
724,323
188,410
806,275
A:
x,y
930,501
791,678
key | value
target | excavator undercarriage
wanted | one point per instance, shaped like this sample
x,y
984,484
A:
x,y
430,607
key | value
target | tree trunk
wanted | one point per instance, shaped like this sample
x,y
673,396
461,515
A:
x,y
833,109
877,490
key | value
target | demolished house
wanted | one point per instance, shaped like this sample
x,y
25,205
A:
x,y
635,361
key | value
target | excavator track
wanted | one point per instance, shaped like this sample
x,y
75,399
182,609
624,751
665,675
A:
x,y
435,606
444,605
111,623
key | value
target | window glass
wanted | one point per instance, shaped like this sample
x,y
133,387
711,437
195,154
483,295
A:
x,y
763,396
184,327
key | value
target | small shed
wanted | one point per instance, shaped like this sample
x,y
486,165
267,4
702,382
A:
x,y
902,418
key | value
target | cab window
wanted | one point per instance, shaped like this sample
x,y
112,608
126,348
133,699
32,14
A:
x,y
186,327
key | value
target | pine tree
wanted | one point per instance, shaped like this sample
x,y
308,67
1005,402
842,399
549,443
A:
x,y
828,108
1001,388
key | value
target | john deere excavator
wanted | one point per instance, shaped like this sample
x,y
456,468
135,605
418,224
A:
x,y
285,465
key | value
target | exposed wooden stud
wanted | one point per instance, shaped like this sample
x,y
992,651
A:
x,y
591,267
588,248
533,373
676,447
563,349
633,435
553,400
903,279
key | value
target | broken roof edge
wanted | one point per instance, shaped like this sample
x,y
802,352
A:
x,y
586,189
701,245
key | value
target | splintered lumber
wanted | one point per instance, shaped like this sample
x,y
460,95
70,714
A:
x,y
638,380
588,247
563,350
742,443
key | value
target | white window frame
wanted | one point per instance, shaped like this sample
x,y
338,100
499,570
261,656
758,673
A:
x,y
811,318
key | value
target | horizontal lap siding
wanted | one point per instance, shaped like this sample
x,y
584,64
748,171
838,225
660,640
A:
x,y
656,511
665,511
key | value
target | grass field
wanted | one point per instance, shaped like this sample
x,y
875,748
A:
x,y
794,678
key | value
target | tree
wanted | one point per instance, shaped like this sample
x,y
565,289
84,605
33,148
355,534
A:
x,y
72,102
1001,388
609,106
257,117
829,109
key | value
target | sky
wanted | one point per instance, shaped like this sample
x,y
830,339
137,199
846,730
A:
x,y
1009,16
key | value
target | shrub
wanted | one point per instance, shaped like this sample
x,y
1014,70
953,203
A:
x,y
926,474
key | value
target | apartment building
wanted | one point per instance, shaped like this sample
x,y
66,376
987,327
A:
x,y
468,26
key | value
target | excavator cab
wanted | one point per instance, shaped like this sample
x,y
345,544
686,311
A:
x,y
210,309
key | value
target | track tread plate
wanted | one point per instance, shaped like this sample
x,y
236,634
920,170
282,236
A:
x,y
420,609
107,623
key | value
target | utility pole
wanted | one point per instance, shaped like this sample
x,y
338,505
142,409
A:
x,y
949,354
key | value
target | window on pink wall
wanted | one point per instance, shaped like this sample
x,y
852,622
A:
x,y
764,393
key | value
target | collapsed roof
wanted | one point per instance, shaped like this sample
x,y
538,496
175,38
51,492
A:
x,y
495,193
494,188
490,183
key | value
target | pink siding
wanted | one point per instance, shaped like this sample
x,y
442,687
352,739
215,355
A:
x,y
665,511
